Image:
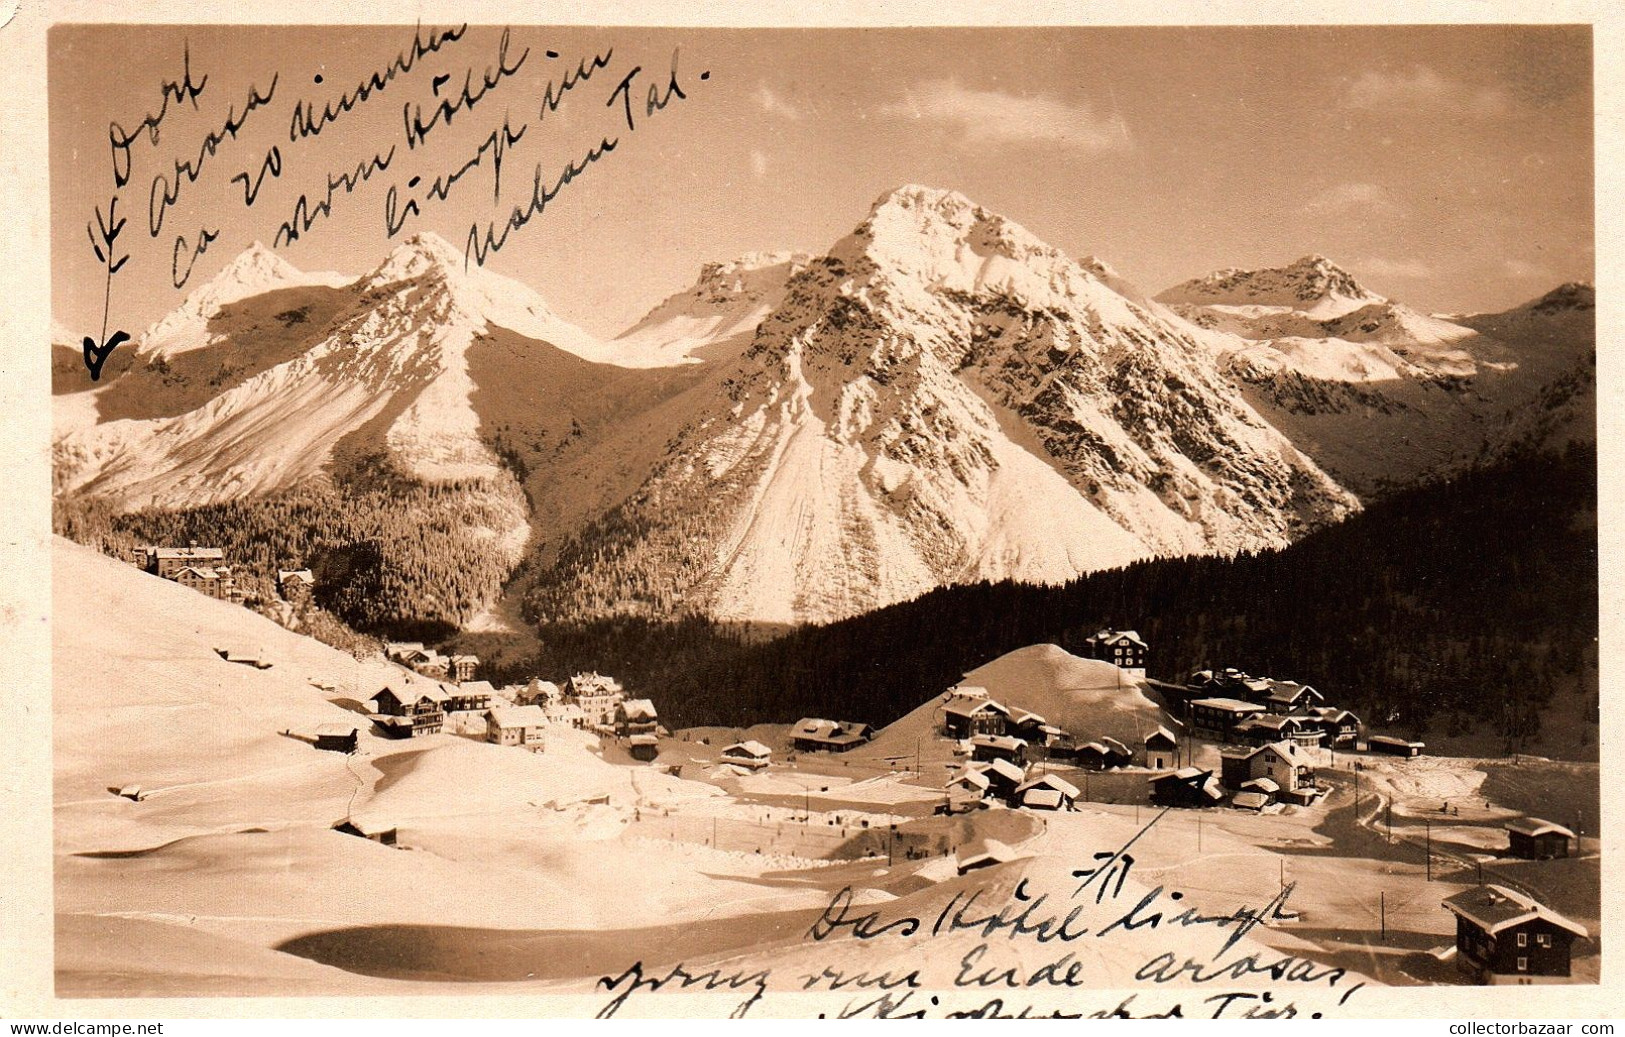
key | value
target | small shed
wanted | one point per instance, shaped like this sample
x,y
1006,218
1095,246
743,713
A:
x,y
1394,746
1535,839
984,854
643,747
1047,792
1254,801
369,828
1161,749
338,738
246,656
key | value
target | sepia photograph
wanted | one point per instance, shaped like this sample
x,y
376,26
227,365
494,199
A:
x,y
867,521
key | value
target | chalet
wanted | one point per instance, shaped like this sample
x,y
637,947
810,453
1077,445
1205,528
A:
x,y
1338,727
539,693
597,695
1046,792
1122,648
1288,697
462,668
338,738
295,584
1536,840
811,734
244,656
413,711
751,754
1117,754
1043,738
1505,937
1229,683
1394,746
524,726
1217,718
201,578
1279,763
367,828
644,747
167,561
1003,777
469,695
967,711
1274,727
636,717
983,854
970,780
1161,749
1186,787
985,748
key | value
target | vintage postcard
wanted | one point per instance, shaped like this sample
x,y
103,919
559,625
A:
x,y
861,516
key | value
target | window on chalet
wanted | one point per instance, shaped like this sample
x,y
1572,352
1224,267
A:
x,y
1544,939
1523,964
1523,939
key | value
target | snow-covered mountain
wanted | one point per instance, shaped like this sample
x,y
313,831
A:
x,y
940,397
1380,394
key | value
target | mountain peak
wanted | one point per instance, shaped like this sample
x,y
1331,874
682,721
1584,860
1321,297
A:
x,y
1311,284
422,253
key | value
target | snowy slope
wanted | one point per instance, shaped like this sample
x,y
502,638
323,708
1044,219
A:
x,y
940,398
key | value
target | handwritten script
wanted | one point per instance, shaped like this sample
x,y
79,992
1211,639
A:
x,y
206,158
1029,953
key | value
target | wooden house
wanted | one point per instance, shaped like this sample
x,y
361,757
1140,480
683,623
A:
x,y
1003,777
1216,718
412,712
566,713
1046,792
1161,749
972,781
812,734
968,711
1394,746
468,696
1186,787
985,748
1275,727
295,584
338,738
1535,839
1123,648
1505,937
523,726
539,693
752,754
463,667
369,828
636,717
643,747
1339,727
1278,763
1288,697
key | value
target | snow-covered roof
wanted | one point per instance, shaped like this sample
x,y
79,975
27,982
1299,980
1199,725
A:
x,y
987,851
1115,746
302,575
1004,768
1250,800
974,778
751,748
1262,785
970,705
515,716
639,709
1050,781
998,742
1229,705
1047,799
1115,636
1532,826
473,659
643,740
1495,908
336,730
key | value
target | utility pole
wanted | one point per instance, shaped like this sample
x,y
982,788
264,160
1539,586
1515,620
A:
x,y
1382,902
1283,872
1198,833
1429,834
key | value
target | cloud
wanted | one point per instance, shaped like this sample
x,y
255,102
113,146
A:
x,y
773,104
984,117
1399,269
758,163
1522,270
1420,88
1354,198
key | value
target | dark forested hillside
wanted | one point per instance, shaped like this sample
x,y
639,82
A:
x,y
1471,600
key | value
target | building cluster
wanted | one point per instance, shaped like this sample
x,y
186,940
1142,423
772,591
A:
x,y
1232,706
1003,779
812,734
416,657
203,569
991,729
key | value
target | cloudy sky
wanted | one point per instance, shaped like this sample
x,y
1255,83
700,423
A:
x,y
1450,167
